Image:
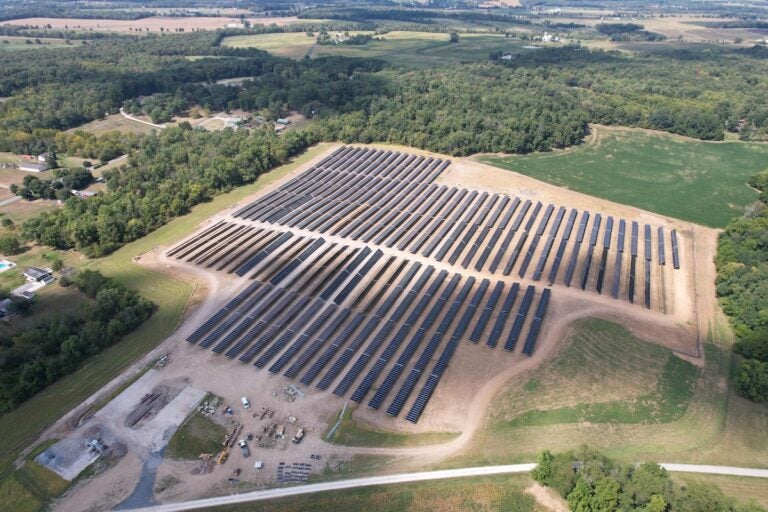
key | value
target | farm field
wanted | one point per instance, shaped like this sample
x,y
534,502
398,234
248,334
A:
x,y
504,493
23,43
150,24
170,294
111,123
410,49
702,182
615,392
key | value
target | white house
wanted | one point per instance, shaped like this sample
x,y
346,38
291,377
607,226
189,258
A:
x,y
38,275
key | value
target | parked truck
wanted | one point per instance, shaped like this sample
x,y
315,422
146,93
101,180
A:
x,y
246,403
244,448
299,436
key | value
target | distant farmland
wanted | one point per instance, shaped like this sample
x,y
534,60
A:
x,y
410,49
151,24
703,182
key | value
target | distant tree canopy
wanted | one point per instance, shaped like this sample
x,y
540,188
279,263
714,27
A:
x,y
610,29
592,482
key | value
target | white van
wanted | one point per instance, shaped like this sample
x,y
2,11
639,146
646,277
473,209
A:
x,y
246,403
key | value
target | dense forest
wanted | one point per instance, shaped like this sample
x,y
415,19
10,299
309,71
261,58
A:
x,y
166,175
742,285
592,482
36,357
537,101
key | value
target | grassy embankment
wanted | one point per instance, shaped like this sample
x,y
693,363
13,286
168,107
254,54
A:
x,y
353,433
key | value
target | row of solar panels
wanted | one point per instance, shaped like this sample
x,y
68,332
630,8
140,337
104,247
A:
x,y
294,328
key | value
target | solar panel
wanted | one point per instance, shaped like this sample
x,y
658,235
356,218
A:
x,y
660,238
533,334
501,320
675,255
517,325
332,349
486,314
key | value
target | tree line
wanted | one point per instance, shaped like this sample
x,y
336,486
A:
x,y
36,357
742,286
592,482
167,174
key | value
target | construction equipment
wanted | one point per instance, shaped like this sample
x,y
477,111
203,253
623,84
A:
x,y
223,456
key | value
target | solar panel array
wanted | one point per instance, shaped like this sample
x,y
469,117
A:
x,y
333,300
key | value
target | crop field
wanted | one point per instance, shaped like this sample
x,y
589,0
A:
x,y
150,24
611,390
409,49
25,43
112,123
504,493
702,182
169,293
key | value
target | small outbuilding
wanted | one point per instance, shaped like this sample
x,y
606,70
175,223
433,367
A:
x,y
33,166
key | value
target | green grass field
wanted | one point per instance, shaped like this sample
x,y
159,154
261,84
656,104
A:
x,y
499,493
19,427
353,433
628,397
198,434
112,123
409,49
702,182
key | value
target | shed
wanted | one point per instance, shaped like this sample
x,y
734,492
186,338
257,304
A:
x,y
33,167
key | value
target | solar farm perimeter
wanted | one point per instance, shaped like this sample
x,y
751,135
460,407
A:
x,y
381,277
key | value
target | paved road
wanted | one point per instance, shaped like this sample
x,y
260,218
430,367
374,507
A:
x,y
284,492
129,116
10,200
714,470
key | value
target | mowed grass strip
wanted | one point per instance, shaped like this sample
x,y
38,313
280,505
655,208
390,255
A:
x,y
354,433
505,493
702,182
20,426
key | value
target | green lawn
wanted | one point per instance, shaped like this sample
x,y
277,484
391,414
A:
x,y
497,493
702,182
199,434
409,49
353,433
628,397
19,427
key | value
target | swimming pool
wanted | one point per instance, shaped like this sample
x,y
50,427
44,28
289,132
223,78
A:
x,y
6,265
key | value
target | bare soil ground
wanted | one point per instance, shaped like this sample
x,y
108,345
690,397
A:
x,y
547,498
151,24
